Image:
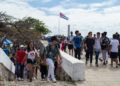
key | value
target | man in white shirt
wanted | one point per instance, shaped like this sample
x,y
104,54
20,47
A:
x,y
70,44
97,48
114,45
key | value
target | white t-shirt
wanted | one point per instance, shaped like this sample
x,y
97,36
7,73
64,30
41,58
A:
x,y
114,43
97,45
31,55
71,38
65,40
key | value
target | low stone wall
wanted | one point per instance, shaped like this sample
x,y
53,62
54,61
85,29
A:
x,y
73,67
5,74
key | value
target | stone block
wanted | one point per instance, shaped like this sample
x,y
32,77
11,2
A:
x,y
73,67
5,74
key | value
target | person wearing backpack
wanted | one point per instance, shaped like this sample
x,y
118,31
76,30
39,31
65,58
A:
x,y
77,42
52,54
105,42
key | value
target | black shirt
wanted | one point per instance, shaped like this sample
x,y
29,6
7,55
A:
x,y
90,44
105,43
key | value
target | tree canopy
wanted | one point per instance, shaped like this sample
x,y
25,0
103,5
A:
x,y
26,28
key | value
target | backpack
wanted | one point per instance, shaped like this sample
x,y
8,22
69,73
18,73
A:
x,y
49,50
105,43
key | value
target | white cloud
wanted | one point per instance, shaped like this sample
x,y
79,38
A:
x,y
103,4
114,9
44,1
20,9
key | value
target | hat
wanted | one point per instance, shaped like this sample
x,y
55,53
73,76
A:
x,y
21,46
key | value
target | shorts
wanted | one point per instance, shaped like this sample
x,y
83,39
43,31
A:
x,y
29,61
70,46
113,55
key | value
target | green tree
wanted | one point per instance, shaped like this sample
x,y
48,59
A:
x,y
41,28
31,23
23,29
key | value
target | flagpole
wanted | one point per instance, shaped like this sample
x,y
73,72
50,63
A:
x,y
61,15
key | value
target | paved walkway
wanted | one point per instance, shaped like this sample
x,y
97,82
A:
x,y
101,76
36,83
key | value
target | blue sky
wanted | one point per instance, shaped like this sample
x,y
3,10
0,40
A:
x,y
51,3
73,3
84,15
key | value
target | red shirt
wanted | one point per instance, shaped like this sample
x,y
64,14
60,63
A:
x,y
62,45
20,56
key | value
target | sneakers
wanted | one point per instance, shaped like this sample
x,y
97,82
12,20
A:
x,y
48,80
22,79
19,79
54,81
43,79
34,78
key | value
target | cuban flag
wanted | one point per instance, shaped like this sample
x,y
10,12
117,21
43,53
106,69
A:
x,y
63,16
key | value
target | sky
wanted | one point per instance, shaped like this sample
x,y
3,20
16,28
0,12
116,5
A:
x,y
84,15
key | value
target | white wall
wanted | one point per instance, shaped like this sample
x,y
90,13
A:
x,y
5,60
73,67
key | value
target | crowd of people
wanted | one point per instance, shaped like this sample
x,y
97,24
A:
x,y
24,58
94,45
28,59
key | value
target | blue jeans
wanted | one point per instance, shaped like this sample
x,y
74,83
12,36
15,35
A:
x,y
89,55
96,57
77,53
19,70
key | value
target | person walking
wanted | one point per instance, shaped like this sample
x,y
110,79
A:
x,y
77,42
114,45
97,48
70,43
105,42
89,47
118,38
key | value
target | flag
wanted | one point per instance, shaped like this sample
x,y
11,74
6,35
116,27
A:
x,y
63,16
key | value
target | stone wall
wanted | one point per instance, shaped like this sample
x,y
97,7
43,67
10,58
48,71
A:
x,y
5,74
73,67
